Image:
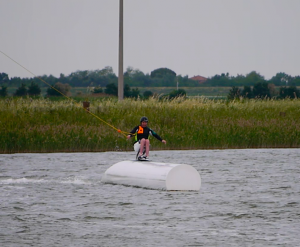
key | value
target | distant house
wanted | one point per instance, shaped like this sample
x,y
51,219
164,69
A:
x,y
200,79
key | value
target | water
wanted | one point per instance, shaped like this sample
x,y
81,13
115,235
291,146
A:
x,y
248,198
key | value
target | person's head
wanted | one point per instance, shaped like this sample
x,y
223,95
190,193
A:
x,y
144,121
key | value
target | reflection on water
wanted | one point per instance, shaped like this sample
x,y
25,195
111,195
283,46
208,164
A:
x,y
248,198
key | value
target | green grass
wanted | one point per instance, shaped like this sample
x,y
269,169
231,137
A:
x,y
43,125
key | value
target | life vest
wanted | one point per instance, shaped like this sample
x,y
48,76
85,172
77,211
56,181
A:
x,y
141,130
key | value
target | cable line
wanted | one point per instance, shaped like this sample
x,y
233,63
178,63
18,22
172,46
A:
x,y
120,131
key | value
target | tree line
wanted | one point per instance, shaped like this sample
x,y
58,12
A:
x,y
161,77
280,79
263,90
60,89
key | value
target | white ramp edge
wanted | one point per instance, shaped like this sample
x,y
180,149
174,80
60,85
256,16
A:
x,y
154,175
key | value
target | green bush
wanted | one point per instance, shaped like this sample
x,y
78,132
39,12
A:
x,y
58,89
3,91
34,89
147,94
21,91
289,92
98,90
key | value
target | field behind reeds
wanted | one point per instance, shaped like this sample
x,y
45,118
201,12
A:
x,y
191,91
41,125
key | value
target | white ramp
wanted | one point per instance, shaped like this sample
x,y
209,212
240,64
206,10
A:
x,y
153,175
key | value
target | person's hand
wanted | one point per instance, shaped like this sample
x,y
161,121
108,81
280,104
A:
x,y
164,141
128,137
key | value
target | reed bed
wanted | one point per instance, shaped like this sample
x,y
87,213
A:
x,y
41,125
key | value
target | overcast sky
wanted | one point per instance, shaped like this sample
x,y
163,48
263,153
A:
x,y
191,37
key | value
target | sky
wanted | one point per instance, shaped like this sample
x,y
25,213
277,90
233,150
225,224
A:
x,y
190,37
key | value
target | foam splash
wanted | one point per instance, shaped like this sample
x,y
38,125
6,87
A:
x,y
69,180
21,181
75,180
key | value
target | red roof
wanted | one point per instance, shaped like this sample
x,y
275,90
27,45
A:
x,y
199,78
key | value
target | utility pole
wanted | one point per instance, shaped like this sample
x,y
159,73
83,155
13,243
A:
x,y
121,78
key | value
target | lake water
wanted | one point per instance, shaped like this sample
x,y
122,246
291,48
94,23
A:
x,y
249,197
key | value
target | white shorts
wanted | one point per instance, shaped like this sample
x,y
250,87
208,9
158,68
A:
x,y
136,146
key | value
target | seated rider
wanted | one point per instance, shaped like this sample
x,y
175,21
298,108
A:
x,y
142,133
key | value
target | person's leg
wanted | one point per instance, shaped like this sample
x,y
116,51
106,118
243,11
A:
x,y
142,146
147,147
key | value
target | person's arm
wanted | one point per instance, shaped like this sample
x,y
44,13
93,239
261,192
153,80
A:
x,y
132,132
157,136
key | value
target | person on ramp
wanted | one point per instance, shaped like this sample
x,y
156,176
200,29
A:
x,y
142,133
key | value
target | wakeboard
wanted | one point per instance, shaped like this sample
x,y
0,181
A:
x,y
143,160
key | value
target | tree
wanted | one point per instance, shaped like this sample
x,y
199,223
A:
x,y
252,78
51,79
261,90
3,91
4,78
247,92
62,78
281,79
177,93
134,77
107,71
98,90
58,89
290,92
219,80
135,93
234,93
15,81
34,89
21,91
161,72
147,94
184,81
131,93
111,89
296,81
127,92
80,78
163,77
239,80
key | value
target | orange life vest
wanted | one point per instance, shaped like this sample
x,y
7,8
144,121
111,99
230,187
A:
x,y
141,130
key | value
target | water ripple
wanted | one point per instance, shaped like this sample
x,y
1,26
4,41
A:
x,y
248,198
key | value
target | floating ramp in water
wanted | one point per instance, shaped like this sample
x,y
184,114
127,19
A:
x,y
153,175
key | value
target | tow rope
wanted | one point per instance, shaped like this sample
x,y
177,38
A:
x,y
76,103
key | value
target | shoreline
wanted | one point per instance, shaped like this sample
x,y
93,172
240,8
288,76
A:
x,y
154,150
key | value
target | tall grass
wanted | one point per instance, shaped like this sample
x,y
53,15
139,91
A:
x,y
41,125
